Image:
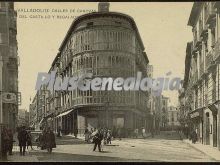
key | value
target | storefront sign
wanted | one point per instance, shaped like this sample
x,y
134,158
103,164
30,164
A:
x,y
9,98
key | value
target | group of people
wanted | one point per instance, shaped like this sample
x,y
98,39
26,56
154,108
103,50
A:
x,y
24,140
47,140
7,142
143,133
99,137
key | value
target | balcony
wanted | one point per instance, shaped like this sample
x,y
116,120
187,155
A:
x,y
196,42
201,70
213,95
216,4
209,60
210,13
195,78
206,100
216,51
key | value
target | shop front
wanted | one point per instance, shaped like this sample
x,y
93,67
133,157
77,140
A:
x,y
197,123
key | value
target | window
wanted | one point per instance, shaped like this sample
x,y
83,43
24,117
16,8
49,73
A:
x,y
90,24
118,22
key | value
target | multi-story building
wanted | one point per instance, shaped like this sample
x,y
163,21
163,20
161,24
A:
x,y
23,117
9,70
164,112
202,82
173,117
106,44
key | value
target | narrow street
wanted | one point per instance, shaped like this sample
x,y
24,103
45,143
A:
x,y
166,147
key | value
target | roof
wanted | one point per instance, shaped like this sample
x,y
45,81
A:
x,y
100,14
197,6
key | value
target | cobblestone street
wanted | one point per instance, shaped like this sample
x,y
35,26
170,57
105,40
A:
x,y
164,147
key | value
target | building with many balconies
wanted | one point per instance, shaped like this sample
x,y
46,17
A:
x,y
201,93
106,44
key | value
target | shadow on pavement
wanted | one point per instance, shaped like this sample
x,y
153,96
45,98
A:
x,y
62,157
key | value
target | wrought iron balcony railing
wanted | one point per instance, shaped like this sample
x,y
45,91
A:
x,y
216,51
209,59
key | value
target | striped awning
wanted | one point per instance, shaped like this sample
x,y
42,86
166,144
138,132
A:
x,y
64,113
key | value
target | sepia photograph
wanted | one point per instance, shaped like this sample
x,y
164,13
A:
x,y
109,81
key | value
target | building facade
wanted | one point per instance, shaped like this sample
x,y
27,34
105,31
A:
x,y
106,44
23,118
164,112
8,53
200,96
173,117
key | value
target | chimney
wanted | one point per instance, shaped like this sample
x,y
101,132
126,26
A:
x,y
103,7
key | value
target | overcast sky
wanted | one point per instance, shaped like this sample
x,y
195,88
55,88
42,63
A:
x,y
162,26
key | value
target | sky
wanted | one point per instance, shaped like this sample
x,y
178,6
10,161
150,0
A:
x,y
162,26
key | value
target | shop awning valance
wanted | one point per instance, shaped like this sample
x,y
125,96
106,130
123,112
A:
x,y
65,113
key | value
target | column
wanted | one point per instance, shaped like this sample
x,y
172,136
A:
x,y
214,128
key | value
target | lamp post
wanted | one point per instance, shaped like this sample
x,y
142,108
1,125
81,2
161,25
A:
x,y
106,110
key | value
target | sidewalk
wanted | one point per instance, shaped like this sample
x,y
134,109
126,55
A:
x,y
29,157
206,149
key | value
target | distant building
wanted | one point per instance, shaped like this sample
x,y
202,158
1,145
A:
x,y
150,71
173,116
106,44
23,117
164,112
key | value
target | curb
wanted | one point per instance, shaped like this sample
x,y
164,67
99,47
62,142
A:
x,y
199,150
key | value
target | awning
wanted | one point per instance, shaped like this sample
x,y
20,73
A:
x,y
197,113
64,113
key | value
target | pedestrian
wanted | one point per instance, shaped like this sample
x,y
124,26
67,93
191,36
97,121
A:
x,y
97,140
143,133
43,140
109,137
59,132
152,132
105,135
11,141
86,134
29,140
90,135
194,137
5,143
75,132
50,140
136,133
22,138
119,133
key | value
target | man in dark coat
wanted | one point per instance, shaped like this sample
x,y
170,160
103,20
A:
x,y
50,140
5,143
194,137
10,146
22,139
97,140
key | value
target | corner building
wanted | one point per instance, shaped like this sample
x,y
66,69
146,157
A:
x,y
106,44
